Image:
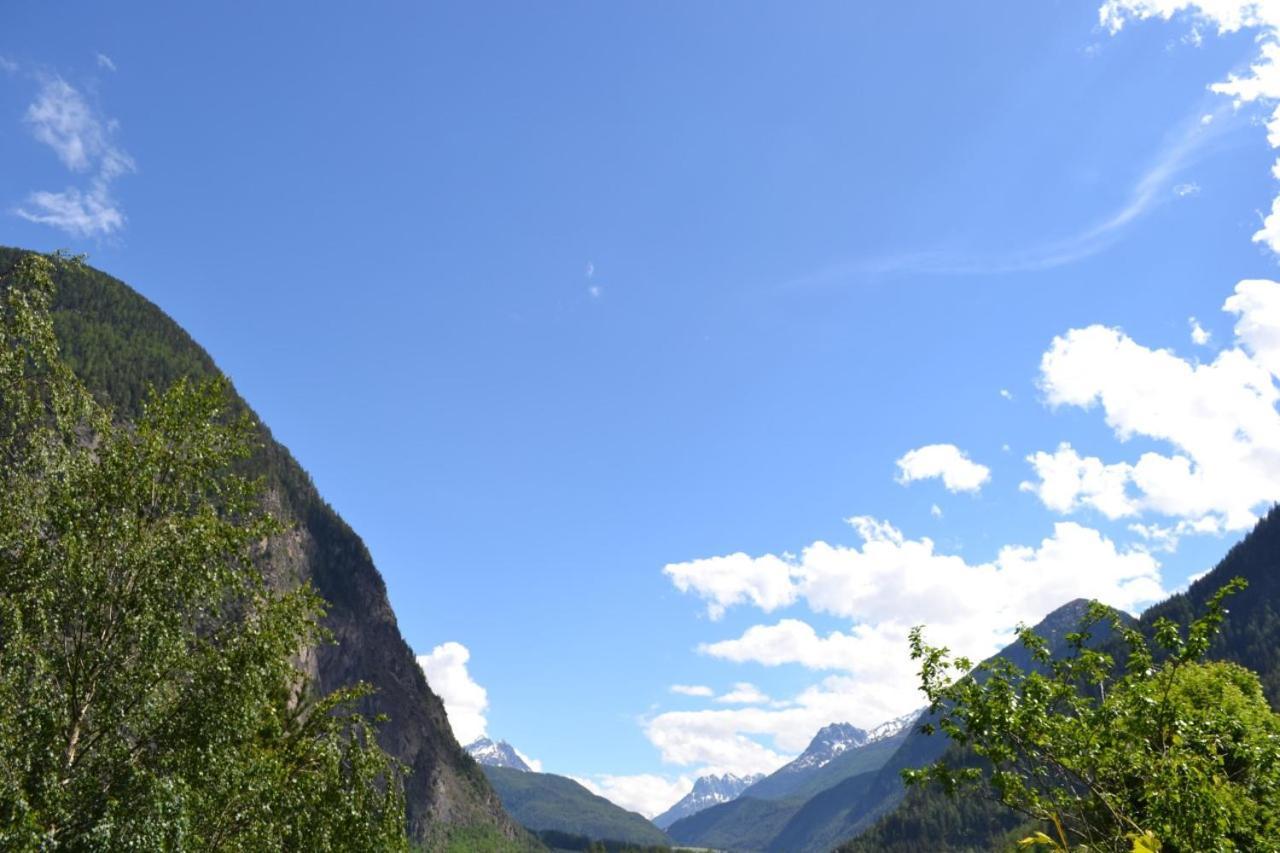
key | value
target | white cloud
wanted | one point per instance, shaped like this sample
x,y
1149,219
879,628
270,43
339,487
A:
x,y
1260,84
1006,393
946,461
62,119
105,61
723,741
1166,538
465,701
1219,418
735,579
890,574
744,693
591,270
692,690
888,585
1069,482
795,641
1256,304
1186,190
646,793
1199,335
8,65
935,511
595,291
81,214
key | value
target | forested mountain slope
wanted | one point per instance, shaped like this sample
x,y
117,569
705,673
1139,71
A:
x,y
119,343
544,801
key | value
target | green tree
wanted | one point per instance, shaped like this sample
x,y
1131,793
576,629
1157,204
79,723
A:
x,y
1163,751
150,693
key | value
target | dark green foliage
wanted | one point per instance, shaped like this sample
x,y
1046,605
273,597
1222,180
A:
x,y
542,801
1181,755
119,343
929,821
558,841
148,693
1250,635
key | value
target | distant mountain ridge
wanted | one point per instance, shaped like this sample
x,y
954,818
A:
x,y
707,791
828,745
496,754
843,782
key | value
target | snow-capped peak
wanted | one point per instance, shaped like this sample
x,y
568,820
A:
x,y
894,727
829,742
708,791
499,754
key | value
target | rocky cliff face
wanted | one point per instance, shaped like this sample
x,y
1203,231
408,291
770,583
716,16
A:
x,y
119,343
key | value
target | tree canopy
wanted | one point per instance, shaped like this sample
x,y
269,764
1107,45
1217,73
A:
x,y
1158,751
151,694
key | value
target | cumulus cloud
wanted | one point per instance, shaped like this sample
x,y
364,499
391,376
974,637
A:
x,y
1069,481
893,574
946,462
725,741
465,701
1260,84
646,793
743,693
1199,335
885,587
1219,420
735,579
692,690
63,120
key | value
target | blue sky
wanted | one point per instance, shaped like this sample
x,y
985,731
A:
x,y
561,303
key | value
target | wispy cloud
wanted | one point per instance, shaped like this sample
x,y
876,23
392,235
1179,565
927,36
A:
x,y
62,119
1183,146
1259,84
106,62
7,65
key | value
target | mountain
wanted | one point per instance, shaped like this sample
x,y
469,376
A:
x,y
929,820
744,825
119,344
829,745
500,754
844,781
708,791
542,801
763,811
